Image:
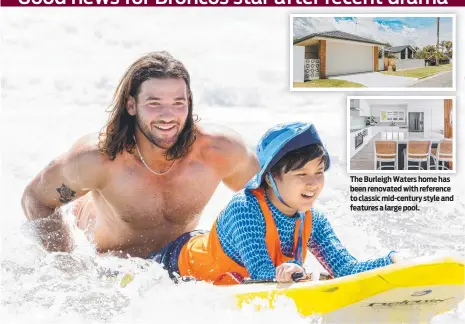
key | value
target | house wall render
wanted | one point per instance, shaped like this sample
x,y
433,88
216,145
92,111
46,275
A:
x,y
298,53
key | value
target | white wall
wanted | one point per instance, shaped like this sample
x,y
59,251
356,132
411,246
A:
x,y
437,119
299,61
381,64
343,58
357,122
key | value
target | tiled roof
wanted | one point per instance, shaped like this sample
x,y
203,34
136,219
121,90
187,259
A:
x,y
339,35
397,49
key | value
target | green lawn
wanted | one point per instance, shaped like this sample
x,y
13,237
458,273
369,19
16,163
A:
x,y
327,83
421,72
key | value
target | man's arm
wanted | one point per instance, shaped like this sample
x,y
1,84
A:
x,y
235,162
65,179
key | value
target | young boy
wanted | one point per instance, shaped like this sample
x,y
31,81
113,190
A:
x,y
265,230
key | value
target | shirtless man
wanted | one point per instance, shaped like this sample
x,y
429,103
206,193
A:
x,y
145,179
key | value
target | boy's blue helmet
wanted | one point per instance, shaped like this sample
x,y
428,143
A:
x,y
280,140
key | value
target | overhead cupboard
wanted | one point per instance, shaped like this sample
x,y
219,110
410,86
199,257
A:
x,y
392,116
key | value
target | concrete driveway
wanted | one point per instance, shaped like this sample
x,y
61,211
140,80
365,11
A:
x,y
377,80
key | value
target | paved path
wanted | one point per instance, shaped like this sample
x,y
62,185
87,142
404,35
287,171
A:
x,y
377,80
443,80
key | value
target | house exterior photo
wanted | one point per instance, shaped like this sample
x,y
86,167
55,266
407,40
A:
x,y
332,53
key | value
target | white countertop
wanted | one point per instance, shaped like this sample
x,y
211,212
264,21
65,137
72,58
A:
x,y
403,137
358,129
353,130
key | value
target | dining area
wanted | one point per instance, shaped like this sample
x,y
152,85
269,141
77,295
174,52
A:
x,y
412,151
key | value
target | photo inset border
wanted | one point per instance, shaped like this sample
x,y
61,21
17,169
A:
x,y
338,52
381,128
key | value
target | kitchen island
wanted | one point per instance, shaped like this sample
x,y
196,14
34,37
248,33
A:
x,y
404,137
364,159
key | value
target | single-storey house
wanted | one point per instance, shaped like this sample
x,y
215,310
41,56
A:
x,y
320,55
403,52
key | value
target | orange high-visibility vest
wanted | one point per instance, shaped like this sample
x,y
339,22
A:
x,y
203,258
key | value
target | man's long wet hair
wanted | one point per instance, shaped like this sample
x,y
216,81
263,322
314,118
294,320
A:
x,y
296,159
118,134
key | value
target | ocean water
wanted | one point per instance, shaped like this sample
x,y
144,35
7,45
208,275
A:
x,y
59,70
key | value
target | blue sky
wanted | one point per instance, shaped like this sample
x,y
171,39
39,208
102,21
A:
x,y
398,23
398,31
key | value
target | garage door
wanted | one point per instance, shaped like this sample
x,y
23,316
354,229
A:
x,y
343,58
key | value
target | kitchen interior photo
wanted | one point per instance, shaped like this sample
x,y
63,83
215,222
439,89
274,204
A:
x,y
401,134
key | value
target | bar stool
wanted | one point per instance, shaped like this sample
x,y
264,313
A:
x,y
385,151
443,153
417,151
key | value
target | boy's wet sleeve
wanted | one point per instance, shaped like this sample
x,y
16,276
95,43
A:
x,y
249,238
332,255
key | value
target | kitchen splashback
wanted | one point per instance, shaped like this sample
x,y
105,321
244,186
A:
x,y
357,121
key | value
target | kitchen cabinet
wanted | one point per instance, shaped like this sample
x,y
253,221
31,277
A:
x,y
366,138
398,116
391,128
365,109
395,116
376,130
437,120
370,133
385,128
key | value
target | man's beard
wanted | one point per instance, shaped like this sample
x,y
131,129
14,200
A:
x,y
159,142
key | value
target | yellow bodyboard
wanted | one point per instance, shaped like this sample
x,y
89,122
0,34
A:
x,y
409,292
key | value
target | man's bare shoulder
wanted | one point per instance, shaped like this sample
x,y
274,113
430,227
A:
x,y
226,151
86,149
218,138
81,168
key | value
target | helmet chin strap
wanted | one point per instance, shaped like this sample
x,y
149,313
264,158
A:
x,y
275,189
298,253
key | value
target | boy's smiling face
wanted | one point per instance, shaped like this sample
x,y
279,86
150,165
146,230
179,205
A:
x,y
300,188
